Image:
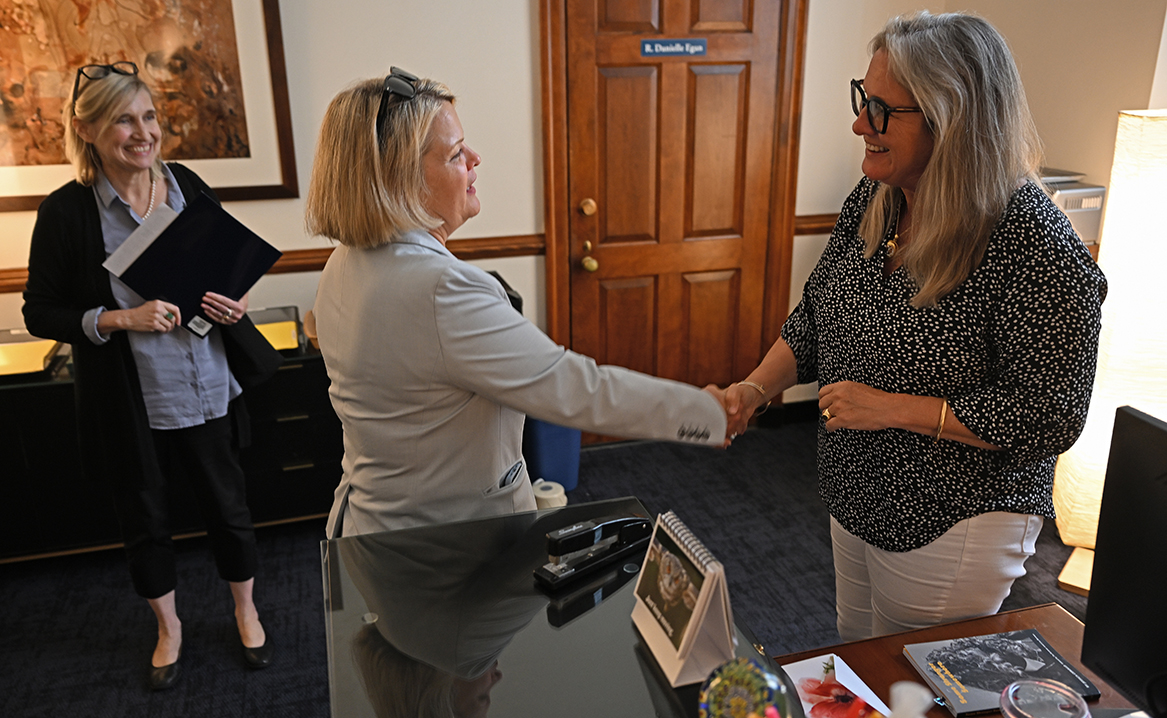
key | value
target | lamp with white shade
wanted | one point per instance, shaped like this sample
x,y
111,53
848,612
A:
x,y
1132,352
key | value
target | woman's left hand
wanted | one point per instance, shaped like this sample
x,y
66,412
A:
x,y
224,310
855,406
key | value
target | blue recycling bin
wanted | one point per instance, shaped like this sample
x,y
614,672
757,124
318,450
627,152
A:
x,y
551,452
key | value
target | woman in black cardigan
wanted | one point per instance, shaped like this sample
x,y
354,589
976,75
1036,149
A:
x,y
152,402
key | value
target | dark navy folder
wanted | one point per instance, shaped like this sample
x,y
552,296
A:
x,y
203,250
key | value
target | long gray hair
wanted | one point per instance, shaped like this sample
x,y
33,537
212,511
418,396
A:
x,y
961,73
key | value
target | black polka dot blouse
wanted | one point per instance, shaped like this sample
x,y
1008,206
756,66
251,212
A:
x,y
1013,349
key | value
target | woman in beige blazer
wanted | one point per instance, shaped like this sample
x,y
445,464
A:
x,y
432,369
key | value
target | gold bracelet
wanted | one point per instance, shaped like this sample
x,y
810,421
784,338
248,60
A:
x,y
940,426
760,390
757,387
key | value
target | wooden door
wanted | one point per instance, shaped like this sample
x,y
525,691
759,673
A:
x,y
670,161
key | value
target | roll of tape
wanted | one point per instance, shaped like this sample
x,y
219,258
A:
x,y
549,494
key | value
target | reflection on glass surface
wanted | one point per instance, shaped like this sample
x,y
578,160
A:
x,y
428,621
442,605
398,685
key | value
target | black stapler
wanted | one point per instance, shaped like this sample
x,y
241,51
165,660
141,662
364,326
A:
x,y
582,548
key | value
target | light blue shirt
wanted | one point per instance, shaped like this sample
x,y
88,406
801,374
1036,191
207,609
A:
x,y
185,379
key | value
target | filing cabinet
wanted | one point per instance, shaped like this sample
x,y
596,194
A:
x,y
293,463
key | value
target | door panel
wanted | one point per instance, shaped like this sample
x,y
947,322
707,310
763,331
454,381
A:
x,y
721,15
629,312
709,298
676,154
717,113
630,159
629,16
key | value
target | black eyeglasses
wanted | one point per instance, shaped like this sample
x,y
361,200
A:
x,y
397,82
97,72
877,110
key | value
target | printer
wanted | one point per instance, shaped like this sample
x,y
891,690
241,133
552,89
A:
x,y
1081,202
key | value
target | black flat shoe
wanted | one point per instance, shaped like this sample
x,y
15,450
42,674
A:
x,y
164,677
259,657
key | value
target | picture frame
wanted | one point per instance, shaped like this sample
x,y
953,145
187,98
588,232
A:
x,y
270,170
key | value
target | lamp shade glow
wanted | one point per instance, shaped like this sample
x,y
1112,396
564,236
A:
x,y
1132,353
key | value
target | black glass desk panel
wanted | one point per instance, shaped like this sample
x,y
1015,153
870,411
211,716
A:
x,y
436,604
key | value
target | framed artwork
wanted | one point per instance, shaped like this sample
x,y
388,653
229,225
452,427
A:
x,y
215,68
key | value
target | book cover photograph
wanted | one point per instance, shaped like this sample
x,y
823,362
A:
x,y
669,586
970,673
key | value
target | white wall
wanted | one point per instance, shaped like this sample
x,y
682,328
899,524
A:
x,y
1081,61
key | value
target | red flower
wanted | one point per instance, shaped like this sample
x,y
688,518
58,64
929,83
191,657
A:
x,y
831,699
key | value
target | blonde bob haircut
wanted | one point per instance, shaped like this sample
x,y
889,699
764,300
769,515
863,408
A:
x,y
99,103
365,193
985,145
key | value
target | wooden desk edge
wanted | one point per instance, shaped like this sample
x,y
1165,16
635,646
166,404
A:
x,y
880,661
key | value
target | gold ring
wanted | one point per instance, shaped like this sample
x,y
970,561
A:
x,y
169,316
229,312
827,414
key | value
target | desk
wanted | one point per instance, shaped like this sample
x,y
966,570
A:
x,y
880,661
458,597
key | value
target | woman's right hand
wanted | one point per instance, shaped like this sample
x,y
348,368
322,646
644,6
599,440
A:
x,y
741,401
153,316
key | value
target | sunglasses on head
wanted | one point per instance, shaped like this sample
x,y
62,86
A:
x,y
397,82
878,111
97,72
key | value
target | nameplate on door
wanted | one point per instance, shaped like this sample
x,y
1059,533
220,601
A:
x,y
692,47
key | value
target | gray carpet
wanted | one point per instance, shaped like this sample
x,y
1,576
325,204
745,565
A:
x,y
75,640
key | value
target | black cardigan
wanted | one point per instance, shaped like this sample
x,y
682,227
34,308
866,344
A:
x,y
65,280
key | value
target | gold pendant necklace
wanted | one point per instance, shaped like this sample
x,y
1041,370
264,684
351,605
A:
x,y
893,244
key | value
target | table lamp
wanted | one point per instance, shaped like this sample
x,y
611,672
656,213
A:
x,y
1132,352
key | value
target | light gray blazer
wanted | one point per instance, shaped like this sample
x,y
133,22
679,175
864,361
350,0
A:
x,y
432,372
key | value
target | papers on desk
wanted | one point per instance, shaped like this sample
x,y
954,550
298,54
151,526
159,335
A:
x,y
178,258
828,688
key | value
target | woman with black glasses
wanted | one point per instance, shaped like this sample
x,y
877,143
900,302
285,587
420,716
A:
x,y
432,369
154,401
952,327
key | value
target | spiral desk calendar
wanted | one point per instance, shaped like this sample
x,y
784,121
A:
x,y
682,604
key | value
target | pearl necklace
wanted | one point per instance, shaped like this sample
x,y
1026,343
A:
x,y
153,183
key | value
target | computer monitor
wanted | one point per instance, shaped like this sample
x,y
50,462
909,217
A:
x,y
1126,615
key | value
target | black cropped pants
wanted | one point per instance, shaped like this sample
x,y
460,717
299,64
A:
x,y
205,457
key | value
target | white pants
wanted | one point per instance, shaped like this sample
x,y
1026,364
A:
x,y
965,573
